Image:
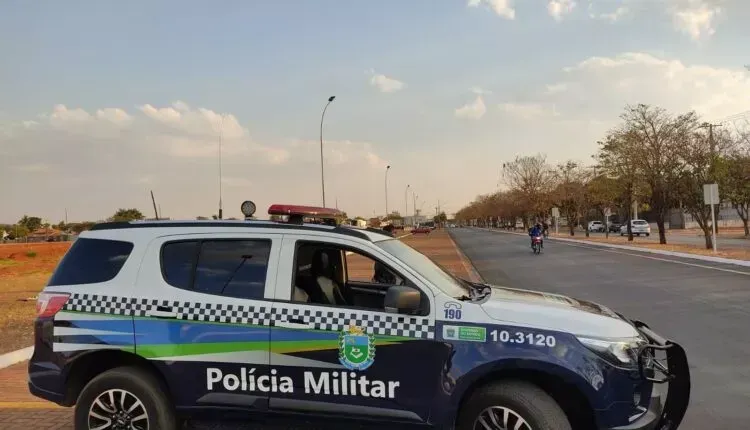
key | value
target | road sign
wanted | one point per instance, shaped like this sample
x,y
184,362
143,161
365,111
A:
x,y
607,212
555,213
711,194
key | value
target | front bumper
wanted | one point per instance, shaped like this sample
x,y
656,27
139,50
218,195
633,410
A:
x,y
664,412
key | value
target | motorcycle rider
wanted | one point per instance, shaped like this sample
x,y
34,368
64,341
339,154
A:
x,y
536,231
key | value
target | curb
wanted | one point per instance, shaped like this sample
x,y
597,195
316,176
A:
x,y
707,258
15,357
468,265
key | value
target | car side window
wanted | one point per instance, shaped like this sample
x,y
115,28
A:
x,y
361,268
328,274
231,268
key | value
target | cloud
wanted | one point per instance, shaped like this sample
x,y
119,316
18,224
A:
x,y
503,8
338,153
94,161
601,86
559,8
695,18
527,110
386,84
479,90
473,110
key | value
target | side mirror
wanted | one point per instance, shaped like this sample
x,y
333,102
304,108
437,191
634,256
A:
x,y
399,298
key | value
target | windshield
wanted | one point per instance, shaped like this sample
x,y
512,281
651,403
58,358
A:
x,y
429,269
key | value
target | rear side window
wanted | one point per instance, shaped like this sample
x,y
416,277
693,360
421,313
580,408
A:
x,y
91,261
232,268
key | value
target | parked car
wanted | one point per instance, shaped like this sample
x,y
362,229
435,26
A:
x,y
596,226
637,226
147,324
614,227
422,229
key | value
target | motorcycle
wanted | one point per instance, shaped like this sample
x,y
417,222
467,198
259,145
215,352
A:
x,y
536,244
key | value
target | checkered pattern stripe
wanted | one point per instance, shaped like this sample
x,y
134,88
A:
x,y
192,311
384,325
263,315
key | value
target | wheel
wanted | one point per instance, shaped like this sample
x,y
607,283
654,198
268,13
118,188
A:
x,y
124,398
648,234
512,405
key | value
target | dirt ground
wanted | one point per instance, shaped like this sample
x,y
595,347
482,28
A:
x,y
24,270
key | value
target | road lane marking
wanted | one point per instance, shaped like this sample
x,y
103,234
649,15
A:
x,y
604,247
703,266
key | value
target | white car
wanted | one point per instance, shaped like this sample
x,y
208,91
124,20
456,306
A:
x,y
596,226
637,226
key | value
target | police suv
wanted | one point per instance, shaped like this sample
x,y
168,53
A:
x,y
147,324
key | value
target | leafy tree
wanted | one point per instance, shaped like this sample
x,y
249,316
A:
x,y
737,186
658,136
701,167
127,215
31,223
440,218
602,195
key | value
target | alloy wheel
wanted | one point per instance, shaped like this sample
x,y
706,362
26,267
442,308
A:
x,y
118,410
500,418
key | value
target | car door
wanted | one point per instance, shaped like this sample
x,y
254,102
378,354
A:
x,y
352,360
203,316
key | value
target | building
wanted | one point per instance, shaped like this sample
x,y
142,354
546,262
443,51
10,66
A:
x,y
413,220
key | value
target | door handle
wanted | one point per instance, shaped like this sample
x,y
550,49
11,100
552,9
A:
x,y
162,312
293,323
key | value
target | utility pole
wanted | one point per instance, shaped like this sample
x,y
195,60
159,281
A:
x,y
66,217
712,167
153,201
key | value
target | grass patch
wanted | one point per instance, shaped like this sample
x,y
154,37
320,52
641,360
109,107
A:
x,y
6,262
31,254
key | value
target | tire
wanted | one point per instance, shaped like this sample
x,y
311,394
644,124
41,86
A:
x,y
528,401
140,385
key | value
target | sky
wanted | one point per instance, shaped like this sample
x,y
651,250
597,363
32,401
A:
x,y
103,102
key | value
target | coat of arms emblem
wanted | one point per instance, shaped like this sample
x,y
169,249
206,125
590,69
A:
x,y
356,348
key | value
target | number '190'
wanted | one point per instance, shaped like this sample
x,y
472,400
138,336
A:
x,y
523,338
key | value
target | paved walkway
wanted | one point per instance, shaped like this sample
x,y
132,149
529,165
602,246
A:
x,y
20,410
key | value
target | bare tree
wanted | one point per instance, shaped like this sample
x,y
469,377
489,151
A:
x,y
533,178
568,194
737,185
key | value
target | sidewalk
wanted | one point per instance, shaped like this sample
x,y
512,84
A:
x,y
20,410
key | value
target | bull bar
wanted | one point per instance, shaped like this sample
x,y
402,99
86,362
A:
x,y
675,373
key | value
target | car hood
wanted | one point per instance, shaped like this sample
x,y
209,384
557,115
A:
x,y
555,312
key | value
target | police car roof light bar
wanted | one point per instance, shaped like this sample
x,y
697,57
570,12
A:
x,y
297,213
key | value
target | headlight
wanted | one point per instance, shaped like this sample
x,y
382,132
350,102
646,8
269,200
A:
x,y
620,352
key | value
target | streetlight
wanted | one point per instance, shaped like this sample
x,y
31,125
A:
x,y
221,135
386,189
322,180
406,201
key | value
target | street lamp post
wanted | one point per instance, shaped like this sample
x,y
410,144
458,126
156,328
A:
x,y
386,189
406,202
322,180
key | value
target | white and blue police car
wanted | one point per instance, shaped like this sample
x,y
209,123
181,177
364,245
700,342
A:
x,y
145,325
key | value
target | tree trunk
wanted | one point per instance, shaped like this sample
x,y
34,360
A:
x,y
660,225
743,211
703,224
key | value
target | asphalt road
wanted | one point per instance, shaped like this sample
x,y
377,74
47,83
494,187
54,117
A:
x,y
706,309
